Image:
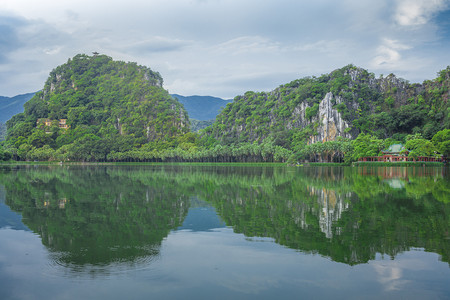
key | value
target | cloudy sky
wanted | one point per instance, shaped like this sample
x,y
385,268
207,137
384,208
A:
x,y
225,47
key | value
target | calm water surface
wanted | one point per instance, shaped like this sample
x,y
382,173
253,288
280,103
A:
x,y
219,232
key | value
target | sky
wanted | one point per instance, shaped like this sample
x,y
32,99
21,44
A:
x,y
224,48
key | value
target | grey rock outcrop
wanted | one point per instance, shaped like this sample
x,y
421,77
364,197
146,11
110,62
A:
x,y
331,123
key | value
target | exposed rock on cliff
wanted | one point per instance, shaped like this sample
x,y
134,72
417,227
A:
x,y
344,103
331,123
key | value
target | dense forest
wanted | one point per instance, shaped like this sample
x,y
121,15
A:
x,y
95,109
91,106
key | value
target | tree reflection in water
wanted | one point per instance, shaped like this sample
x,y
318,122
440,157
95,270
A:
x,y
96,216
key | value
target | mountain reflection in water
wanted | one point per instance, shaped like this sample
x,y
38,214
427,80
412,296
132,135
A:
x,y
97,216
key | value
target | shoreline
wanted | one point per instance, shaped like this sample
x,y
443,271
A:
x,y
309,164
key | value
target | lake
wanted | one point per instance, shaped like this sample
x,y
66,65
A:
x,y
224,232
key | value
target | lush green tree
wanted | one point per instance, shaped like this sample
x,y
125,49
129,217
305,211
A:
x,y
366,145
441,140
4,154
420,147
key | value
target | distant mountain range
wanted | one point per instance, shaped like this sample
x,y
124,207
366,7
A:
x,y
202,108
10,106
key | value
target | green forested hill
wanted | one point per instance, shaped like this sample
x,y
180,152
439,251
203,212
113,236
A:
x,y
108,106
344,103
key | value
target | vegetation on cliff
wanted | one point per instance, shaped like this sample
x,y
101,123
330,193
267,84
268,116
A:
x,y
385,107
319,119
93,105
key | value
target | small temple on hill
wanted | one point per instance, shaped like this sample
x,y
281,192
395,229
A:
x,y
396,153
62,123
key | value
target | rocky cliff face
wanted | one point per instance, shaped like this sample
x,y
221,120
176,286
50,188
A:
x,y
340,104
329,121
331,124
399,89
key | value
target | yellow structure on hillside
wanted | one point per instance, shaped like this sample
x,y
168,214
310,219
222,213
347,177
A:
x,y
62,123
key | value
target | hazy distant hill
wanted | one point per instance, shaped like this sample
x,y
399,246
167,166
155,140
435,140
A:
x,y
202,108
10,106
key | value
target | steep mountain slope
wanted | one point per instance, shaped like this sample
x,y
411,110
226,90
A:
x,y
10,106
97,102
344,103
202,108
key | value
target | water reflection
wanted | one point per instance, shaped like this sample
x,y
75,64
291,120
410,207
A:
x,y
90,218
98,218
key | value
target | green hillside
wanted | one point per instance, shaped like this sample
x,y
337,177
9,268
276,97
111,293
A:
x,y
107,106
344,103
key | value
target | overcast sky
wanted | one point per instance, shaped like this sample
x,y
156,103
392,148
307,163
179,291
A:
x,y
224,48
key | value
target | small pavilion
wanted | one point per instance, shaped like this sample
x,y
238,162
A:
x,y
395,152
398,152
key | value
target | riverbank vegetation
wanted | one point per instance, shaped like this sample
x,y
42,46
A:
x,y
192,148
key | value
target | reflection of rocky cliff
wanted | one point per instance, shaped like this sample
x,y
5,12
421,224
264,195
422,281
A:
x,y
333,204
340,213
88,217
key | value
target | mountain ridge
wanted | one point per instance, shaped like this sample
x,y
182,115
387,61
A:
x,y
343,103
95,109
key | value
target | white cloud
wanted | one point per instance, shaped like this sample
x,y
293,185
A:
x,y
389,53
418,12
